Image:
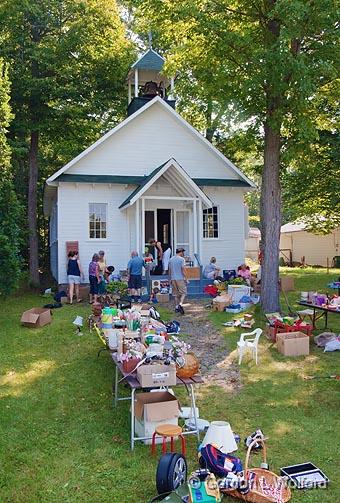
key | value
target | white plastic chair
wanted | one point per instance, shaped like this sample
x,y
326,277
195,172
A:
x,y
251,343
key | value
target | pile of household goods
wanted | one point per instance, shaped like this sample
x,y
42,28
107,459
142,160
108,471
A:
x,y
328,340
221,472
232,298
147,346
327,301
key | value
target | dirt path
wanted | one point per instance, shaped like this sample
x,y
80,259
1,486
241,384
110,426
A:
x,y
209,346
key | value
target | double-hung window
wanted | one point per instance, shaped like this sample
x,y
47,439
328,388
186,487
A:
x,y
210,223
97,220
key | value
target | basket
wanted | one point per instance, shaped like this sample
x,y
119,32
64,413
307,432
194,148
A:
x,y
267,487
190,368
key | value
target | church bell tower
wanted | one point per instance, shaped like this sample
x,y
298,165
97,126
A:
x,y
145,82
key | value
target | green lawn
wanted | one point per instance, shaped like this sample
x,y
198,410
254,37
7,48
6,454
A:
x,y
61,440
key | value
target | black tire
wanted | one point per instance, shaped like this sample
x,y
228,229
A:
x,y
171,472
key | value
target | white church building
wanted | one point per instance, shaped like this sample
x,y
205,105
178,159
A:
x,y
152,176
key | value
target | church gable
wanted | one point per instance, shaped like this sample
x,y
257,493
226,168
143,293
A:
x,y
148,140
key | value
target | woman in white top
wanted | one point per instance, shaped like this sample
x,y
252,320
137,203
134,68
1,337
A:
x,y
166,258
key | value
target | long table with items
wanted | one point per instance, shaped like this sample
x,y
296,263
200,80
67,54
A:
x,y
134,385
317,316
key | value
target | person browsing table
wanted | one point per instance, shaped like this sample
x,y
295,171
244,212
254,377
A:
x,y
135,270
178,279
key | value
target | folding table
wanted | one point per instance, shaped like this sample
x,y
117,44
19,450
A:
x,y
134,385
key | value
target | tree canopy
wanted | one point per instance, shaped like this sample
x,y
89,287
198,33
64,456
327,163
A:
x,y
10,214
268,60
67,62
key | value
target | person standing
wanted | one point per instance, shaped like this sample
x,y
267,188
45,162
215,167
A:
x,y
135,270
157,245
102,271
166,258
178,279
74,273
94,278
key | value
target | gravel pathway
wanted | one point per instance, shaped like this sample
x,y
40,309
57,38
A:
x,y
209,345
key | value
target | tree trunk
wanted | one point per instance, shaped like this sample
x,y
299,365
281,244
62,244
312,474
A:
x,y
32,210
271,221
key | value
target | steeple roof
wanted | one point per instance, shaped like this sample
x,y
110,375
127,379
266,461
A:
x,y
150,60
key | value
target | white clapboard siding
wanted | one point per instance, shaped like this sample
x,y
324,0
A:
x,y
147,142
228,248
73,224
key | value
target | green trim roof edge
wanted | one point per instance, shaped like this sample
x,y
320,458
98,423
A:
x,y
101,179
145,181
142,180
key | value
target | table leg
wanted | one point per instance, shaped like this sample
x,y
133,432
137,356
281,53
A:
x,y
314,318
132,419
193,407
116,386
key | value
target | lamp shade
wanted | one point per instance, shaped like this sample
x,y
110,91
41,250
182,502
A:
x,y
221,436
78,321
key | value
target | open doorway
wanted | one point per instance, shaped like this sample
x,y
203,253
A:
x,y
164,230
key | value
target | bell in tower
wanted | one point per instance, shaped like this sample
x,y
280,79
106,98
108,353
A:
x,y
145,81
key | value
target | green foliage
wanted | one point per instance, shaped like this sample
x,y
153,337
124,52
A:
x,y
10,214
67,63
117,288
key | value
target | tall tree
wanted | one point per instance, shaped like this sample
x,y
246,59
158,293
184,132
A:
x,y
68,59
270,58
10,214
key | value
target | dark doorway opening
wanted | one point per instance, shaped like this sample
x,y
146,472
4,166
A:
x,y
164,231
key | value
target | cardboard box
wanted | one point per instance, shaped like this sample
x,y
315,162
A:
x,y
162,298
157,374
146,429
158,406
287,283
64,300
36,317
193,272
292,343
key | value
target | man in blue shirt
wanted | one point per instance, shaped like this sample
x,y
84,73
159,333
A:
x,y
135,270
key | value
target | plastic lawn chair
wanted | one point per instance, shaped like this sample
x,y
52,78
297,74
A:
x,y
246,343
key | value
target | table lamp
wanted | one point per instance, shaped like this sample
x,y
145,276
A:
x,y
221,436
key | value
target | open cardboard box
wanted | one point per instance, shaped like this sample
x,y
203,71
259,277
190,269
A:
x,y
156,406
292,343
36,317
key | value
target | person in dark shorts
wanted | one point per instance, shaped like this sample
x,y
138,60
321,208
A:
x,y
135,270
94,278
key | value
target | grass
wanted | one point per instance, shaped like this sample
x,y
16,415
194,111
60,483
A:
x,y
61,440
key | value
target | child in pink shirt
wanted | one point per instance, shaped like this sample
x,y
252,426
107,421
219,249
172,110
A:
x,y
244,273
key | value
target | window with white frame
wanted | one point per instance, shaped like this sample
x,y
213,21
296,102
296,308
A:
x,y
97,220
210,223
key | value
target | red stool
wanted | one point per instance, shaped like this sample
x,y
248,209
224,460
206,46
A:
x,y
168,430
